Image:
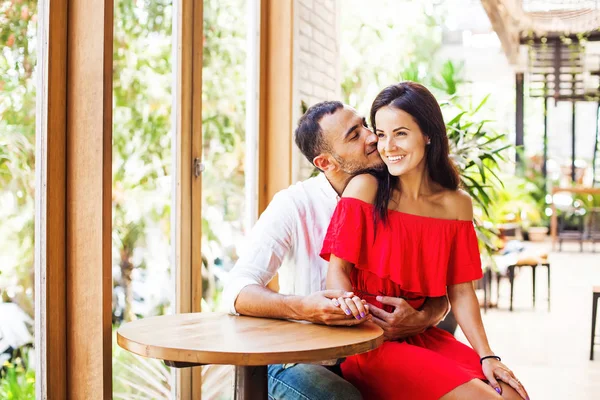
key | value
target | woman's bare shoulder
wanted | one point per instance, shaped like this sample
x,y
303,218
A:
x,y
458,203
362,187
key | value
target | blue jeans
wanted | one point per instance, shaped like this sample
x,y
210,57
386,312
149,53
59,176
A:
x,y
308,382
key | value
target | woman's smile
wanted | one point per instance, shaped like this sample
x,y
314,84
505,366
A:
x,y
395,159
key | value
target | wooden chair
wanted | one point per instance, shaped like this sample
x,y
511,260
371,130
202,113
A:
x,y
571,227
595,298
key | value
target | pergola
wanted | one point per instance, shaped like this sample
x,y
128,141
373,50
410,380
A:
x,y
559,65
73,179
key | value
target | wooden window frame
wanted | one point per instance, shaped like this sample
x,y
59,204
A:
x,y
74,179
74,189
275,99
187,145
73,200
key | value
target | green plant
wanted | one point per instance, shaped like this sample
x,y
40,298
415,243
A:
x,y
17,381
127,236
477,151
536,188
141,140
588,201
514,202
450,77
18,22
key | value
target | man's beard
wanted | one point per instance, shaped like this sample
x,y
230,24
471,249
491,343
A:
x,y
354,168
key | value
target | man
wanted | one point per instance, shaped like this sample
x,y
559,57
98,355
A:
x,y
290,232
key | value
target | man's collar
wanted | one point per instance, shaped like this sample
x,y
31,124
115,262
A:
x,y
326,187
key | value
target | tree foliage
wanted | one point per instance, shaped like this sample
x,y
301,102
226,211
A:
x,y
18,23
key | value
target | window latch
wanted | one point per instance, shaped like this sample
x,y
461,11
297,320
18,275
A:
x,y
198,167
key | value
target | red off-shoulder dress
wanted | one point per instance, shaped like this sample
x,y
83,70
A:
x,y
412,257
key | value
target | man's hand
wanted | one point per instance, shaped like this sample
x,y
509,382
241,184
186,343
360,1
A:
x,y
319,308
403,322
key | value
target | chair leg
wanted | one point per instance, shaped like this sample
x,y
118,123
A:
x,y
485,291
594,310
548,269
498,277
533,267
511,278
489,280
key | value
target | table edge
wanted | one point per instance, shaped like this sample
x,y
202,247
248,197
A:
x,y
248,359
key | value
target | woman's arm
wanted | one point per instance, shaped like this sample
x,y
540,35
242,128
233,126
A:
x,y
466,310
465,306
338,277
463,300
362,187
338,274
468,315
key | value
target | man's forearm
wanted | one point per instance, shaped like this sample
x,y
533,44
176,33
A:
x,y
258,301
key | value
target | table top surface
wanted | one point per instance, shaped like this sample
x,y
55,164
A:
x,y
219,338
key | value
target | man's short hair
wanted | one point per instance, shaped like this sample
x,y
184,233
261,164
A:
x,y
309,134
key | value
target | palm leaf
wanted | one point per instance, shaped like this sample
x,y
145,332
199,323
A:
x,y
485,99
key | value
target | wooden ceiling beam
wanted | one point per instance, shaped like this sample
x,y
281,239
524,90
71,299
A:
x,y
505,26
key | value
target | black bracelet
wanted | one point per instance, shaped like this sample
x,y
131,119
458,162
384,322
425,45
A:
x,y
486,357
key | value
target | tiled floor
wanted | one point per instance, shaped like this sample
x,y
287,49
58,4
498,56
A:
x,y
549,351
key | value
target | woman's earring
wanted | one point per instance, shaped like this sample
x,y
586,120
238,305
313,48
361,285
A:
x,y
429,141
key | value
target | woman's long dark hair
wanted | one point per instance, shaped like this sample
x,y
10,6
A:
x,y
417,101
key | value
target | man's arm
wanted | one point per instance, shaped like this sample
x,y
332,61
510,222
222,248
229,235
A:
x,y
258,301
245,291
405,321
265,248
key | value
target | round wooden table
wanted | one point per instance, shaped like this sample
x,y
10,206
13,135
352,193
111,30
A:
x,y
186,340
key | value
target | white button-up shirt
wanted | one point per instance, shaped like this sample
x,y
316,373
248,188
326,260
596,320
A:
x,y
287,238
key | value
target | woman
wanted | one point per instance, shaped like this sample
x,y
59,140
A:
x,y
409,234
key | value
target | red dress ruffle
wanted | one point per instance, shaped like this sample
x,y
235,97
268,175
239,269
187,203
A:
x,y
411,257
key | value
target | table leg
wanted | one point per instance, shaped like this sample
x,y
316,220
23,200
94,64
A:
x,y
548,268
511,278
595,298
251,383
533,288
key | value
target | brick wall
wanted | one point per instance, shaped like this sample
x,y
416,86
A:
x,y
316,69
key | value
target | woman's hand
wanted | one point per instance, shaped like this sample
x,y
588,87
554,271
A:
x,y
494,370
354,306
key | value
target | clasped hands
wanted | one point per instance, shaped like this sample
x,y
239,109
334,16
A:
x,y
353,306
338,307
